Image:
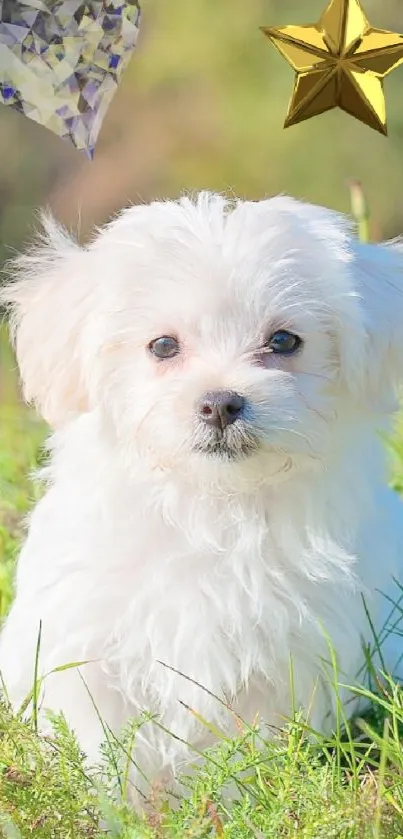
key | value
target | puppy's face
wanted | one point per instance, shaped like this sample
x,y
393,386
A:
x,y
220,338
224,348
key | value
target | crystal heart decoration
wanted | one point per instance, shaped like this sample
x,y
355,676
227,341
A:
x,y
61,61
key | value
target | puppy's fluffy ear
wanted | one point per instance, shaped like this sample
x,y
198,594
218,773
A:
x,y
373,345
49,296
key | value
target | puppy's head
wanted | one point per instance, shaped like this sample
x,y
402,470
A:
x,y
214,335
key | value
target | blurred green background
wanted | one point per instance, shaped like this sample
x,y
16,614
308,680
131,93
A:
x,y
202,105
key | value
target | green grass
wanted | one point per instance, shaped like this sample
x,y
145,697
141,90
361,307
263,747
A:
x,y
294,786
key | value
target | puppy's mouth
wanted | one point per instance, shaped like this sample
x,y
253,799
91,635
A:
x,y
230,445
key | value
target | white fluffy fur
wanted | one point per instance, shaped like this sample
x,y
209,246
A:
x,y
144,551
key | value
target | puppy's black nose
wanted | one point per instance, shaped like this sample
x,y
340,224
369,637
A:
x,y
220,408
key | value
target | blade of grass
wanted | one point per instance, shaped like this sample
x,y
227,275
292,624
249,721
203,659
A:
x,y
359,210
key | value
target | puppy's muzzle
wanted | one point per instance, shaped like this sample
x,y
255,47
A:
x,y
220,408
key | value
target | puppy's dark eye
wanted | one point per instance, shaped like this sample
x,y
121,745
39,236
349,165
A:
x,y
164,347
283,342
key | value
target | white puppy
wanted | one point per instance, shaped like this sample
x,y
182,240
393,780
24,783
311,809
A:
x,y
217,374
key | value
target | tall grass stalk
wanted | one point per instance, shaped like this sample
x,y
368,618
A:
x,y
359,210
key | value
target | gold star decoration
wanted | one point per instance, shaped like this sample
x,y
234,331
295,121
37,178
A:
x,y
340,62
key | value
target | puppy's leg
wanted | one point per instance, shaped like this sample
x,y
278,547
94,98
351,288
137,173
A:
x,y
81,692
92,709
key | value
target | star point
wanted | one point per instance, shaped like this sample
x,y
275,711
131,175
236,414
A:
x,y
339,62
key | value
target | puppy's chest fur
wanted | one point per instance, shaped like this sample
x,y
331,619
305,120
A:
x,y
216,592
